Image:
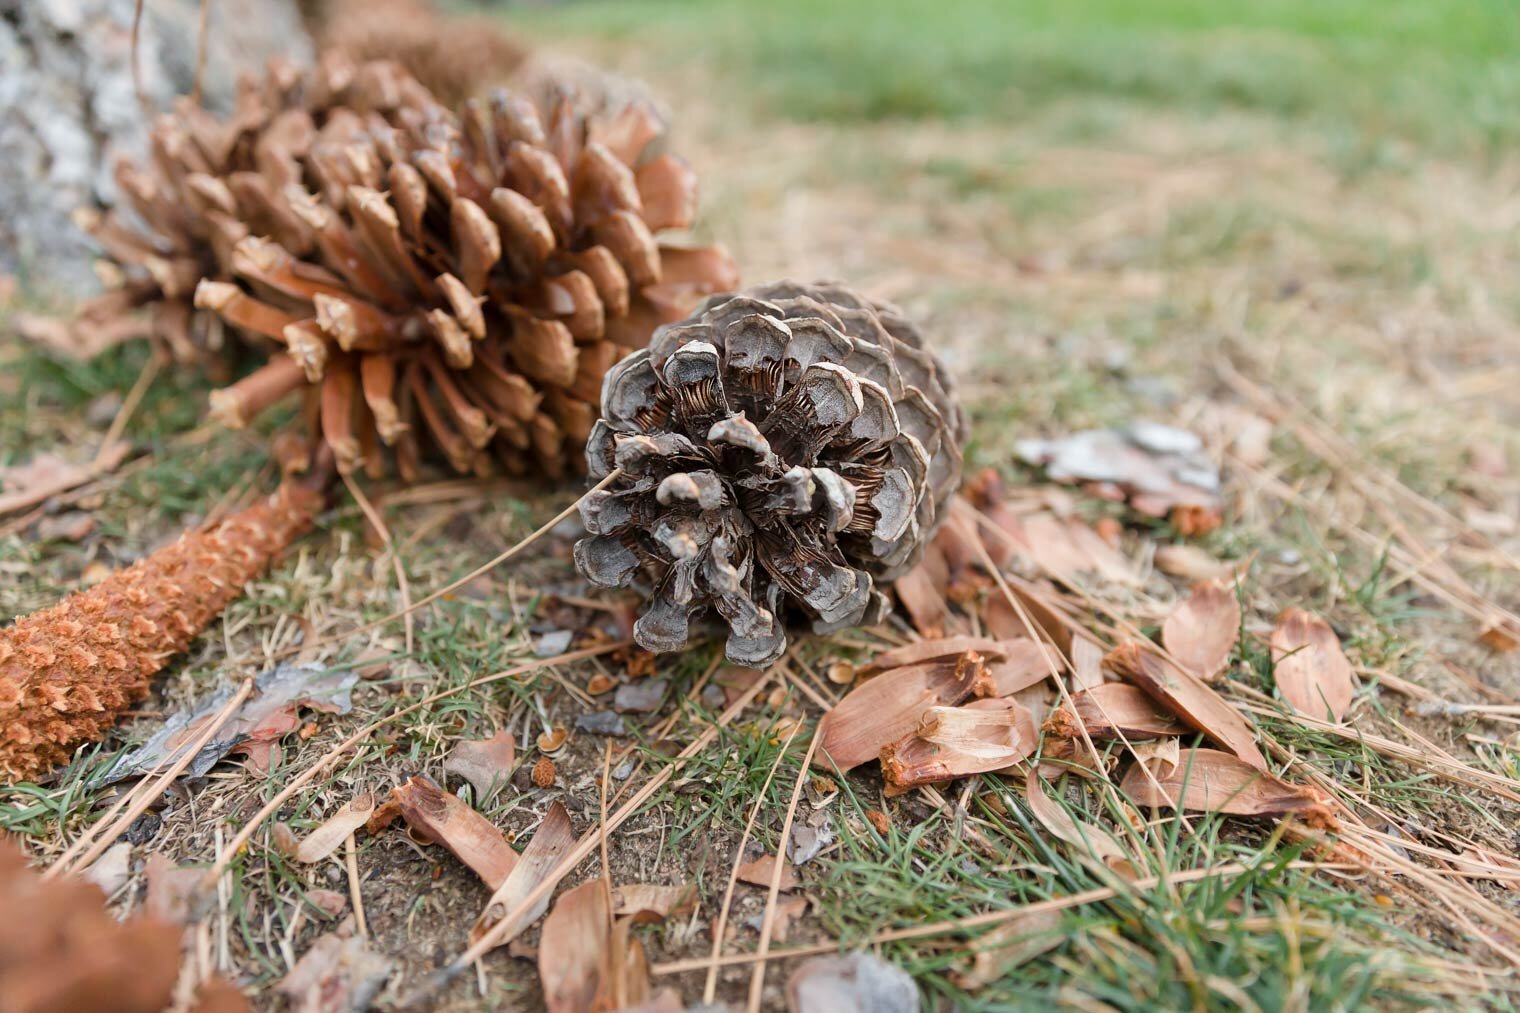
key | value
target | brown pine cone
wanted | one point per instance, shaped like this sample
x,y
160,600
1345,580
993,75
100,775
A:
x,y
444,283
67,672
782,450
62,950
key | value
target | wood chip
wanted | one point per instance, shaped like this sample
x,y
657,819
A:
x,y
435,815
553,838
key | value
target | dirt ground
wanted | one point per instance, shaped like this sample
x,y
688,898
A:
x,y
1090,264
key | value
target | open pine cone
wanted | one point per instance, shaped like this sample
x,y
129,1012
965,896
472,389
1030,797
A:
x,y
782,450
440,282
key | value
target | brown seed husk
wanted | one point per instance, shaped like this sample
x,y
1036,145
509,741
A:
x,y
1311,670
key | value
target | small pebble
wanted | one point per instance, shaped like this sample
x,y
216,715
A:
x,y
601,723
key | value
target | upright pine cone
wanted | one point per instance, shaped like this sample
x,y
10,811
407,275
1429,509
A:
x,y
437,282
62,950
784,449
67,672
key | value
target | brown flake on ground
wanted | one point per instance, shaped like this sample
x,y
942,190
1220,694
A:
x,y
484,763
436,816
1312,673
1110,711
1186,696
952,742
1208,780
1201,632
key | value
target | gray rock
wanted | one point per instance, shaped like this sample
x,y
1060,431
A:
x,y
858,983
68,109
601,723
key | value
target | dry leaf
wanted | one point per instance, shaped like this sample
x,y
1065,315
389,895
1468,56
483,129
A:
x,y
856,983
435,815
339,973
1086,664
885,709
574,951
1207,780
111,870
1188,697
263,719
485,763
173,892
1003,621
330,835
1089,839
1312,673
553,838
1159,756
1110,711
923,601
649,902
1004,949
1499,639
983,736
942,649
758,873
1201,632
46,475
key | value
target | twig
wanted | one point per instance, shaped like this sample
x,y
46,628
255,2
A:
x,y
768,924
331,756
129,407
149,789
351,863
710,987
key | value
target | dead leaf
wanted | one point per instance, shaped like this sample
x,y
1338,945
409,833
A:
x,y
437,816
787,910
329,902
265,717
983,736
758,873
173,892
1207,780
1499,639
111,870
1089,839
1159,756
856,983
484,763
942,649
999,952
1312,673
925,604
551,840
647,902
338,973
1111,711
1003,621
886,709
333,831
574,958
1188,697
46,475
1201,632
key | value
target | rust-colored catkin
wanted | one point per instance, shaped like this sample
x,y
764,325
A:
x,y
61,949
68,672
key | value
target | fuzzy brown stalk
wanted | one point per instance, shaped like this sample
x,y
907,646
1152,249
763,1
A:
x,y
68,672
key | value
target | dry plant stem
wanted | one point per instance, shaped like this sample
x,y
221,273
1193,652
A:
x,y
331,756
1093,896
768,924
149,788
128,408
202,36
355,896
378,523
710,986
479,571
586,844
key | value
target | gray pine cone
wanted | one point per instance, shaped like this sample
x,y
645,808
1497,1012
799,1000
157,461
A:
x,y
783,450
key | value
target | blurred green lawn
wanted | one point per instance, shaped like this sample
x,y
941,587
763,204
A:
x,y
1439,73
